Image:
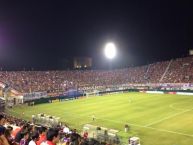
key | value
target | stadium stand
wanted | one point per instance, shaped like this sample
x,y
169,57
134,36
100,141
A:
x,y
174,71
14,131
180,71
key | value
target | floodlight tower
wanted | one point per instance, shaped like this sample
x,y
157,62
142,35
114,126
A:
x,y
110,52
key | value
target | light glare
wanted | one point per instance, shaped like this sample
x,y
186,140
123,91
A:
x,y
110,50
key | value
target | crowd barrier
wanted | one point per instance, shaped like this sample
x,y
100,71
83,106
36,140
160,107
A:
x,y
66,97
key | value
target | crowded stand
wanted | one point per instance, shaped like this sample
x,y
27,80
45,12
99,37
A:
x,y
156,70
14,131
181,71
174,71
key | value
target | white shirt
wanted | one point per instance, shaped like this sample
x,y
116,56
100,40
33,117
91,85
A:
x,y
43,143
66,130
32,143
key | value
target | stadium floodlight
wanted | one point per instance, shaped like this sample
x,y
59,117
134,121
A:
x,y
110,50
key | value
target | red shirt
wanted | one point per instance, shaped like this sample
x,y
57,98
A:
x,y
41,139
85,135
15,132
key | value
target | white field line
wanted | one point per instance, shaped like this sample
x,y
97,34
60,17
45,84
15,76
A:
x,y
141,126
174,132
137,125
78,116
174,108
158,121
133,124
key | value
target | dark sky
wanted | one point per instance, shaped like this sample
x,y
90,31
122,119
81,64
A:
x,y
48,34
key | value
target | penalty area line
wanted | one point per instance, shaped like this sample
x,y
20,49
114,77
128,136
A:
x,y
147,127
78,116
176,114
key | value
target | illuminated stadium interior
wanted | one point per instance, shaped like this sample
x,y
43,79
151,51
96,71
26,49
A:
x,y
96,72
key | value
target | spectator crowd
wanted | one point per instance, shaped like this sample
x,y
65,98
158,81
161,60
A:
x,y
14,131
174,71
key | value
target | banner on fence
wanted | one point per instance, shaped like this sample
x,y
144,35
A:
x,y
34,96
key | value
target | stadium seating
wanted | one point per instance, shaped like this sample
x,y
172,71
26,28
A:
x,y
174,71
13,130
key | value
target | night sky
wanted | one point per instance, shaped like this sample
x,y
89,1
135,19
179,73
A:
x,y
48,34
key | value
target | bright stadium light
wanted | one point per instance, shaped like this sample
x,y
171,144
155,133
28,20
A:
x,y
110,50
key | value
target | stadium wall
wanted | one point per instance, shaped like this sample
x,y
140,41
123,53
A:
x,y
71,96
150,91
50,100
157,91
169,92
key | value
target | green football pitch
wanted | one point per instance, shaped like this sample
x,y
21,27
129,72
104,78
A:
x,y
158,119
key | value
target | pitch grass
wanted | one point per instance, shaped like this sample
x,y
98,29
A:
x,y
158,119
